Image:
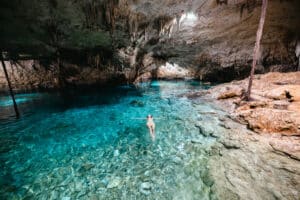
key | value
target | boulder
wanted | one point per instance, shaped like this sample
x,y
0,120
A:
x,y
268,120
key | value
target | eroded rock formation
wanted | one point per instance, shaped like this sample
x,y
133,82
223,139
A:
x,y
260,159
212,40
275,107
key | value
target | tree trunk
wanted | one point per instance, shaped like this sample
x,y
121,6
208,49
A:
x,y
257,45
297,52
9,86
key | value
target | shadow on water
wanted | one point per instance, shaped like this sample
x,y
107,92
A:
x,y
62,100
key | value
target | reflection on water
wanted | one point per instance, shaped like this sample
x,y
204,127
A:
x,y
90,145
20,98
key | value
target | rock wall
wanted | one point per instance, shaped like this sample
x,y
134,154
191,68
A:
x,y
38,75
29,75
208,40
215,40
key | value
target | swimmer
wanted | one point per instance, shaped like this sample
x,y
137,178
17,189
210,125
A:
x,y
151,126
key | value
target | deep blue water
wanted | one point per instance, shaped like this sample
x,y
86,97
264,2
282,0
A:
x,y
92,145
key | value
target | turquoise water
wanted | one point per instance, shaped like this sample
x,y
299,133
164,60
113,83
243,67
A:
x,y
92,144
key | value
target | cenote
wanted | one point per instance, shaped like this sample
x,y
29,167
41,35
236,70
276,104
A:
x,y
101,67
90,144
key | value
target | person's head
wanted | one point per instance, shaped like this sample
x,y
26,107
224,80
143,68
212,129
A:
x,y
149,116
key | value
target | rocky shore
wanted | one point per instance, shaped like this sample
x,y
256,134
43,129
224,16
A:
x,y
259,159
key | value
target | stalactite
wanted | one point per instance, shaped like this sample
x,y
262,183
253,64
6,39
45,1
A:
x,y
247,4
110,9
133,25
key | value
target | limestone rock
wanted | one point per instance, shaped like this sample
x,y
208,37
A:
x,y
229,144
206,129
116,153
292,151
228,94
271,120
137,103
271,110
86,167
169,71
115,182
197,42
143,77
196,141
228,91
145,188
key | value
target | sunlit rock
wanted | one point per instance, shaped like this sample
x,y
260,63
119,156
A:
x,y
172,71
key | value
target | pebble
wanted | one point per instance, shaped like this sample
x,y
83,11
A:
x,y
145,188
177,160
114,183
116,153
54,195
86,167
80,194
147,173
78,186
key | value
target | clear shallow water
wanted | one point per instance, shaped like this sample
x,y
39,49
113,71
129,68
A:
x,y
88,145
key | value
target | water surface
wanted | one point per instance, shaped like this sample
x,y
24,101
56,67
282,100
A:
x,y
92,144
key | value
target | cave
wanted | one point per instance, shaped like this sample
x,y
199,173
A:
x,y
148,99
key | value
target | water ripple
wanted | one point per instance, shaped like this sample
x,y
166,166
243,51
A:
x,y
91,146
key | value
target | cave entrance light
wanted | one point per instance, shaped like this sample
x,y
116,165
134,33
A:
x,y
189,19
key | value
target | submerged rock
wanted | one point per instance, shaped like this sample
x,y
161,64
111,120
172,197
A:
x,y
86,167
207,129
145,188
196,141
177,160
79,186
137,103
115,182
116,153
